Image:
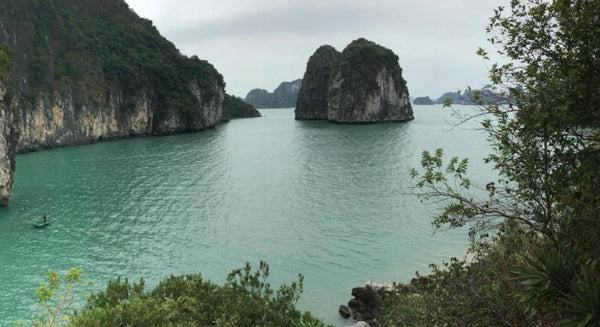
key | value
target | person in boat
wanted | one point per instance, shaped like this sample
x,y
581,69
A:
x,y
45,221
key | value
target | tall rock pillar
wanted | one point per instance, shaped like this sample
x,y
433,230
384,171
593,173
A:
x,y
367,86
8,147
312,99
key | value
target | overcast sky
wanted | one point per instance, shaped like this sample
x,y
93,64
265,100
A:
x,y
260,43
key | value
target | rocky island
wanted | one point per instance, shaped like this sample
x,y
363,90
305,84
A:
x,y
363,84
473,97
423,101
284,96
452,97
82,71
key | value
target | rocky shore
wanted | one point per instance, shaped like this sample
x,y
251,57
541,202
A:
x,y
365,308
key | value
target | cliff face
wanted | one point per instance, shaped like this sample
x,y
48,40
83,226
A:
x,y
55,120
312,99
365,85
8,148
284,96
87,71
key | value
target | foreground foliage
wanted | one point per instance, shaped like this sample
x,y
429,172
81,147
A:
x,y
246,299
55,300
535,230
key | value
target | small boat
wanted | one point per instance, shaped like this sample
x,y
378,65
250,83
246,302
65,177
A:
x,y
42,224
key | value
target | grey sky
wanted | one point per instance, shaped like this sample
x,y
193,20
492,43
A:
x,y
260,43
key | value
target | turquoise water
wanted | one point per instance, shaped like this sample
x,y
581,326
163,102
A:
x,y
329,201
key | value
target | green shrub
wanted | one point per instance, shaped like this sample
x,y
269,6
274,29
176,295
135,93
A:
x,y
459,293
582,305
55,300
246,299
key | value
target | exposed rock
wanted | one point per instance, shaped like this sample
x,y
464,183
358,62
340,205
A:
x,y
344,311
367,301
312,100
8,147
284,96
239,109
424,101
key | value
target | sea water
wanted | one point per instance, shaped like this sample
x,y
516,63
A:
x,y
334,203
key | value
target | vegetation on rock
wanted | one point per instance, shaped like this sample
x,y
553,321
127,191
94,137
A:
x,y
240,109
361,61
86,48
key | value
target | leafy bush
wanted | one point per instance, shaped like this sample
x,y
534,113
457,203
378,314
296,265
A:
x,y
55,300
560,285
459,294
582,305
246,299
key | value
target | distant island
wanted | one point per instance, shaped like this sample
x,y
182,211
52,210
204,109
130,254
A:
x,y
423,101
284,96
471,97
363,84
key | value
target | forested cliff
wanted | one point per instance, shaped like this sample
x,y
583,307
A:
x,y
85,70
